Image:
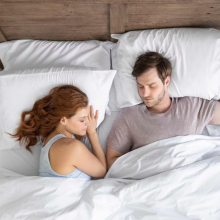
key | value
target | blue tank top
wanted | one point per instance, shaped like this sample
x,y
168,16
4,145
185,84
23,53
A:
x,y
45,169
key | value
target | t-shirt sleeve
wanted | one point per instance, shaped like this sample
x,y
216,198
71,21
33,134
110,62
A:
x,y
204,109
120,135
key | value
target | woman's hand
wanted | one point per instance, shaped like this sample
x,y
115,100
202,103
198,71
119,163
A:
x,y
92,121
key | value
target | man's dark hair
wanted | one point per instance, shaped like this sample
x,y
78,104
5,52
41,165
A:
x,y
151,60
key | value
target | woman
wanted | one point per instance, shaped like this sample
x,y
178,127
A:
x,y
60,119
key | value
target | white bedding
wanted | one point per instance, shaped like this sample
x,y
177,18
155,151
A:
x,y
23,162
179,179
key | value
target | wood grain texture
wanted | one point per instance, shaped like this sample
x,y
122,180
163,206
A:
x,y
1,65
148,16
55,21
114,1
66,33
160,2
97,19
52,9
118,18
2,37
67,1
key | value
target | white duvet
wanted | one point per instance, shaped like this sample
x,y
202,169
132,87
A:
x,y
176,178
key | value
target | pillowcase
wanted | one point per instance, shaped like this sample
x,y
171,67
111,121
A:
x,y
20,89
29,54
194,54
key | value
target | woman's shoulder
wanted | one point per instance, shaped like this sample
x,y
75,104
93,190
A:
x,y
71,145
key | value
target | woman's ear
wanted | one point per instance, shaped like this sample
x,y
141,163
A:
x,y
63,121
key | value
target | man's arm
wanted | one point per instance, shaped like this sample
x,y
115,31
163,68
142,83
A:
x,y
216,118
112,155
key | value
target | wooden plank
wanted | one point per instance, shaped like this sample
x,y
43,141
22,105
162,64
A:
x,y
77,22
63,33
2,37
114,1
1,65
145,16
67,1
159,2
117,18
55,21
52,9
173,9
140,22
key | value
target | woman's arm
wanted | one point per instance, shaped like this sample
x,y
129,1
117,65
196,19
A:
x,y
216,118
87,162
93,138
93,164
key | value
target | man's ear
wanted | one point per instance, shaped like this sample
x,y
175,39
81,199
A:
x,y
167,80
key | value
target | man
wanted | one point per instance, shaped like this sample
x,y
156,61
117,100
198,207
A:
x,y
159,116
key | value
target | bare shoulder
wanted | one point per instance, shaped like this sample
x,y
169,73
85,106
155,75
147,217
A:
x,y
74,144
69,146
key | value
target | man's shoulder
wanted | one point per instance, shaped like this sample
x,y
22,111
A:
x,y
187,99
132,109
190,102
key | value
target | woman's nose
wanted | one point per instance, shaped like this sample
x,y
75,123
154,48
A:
x,y
87,121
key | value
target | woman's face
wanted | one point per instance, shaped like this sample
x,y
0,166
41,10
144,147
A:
x,y
78,123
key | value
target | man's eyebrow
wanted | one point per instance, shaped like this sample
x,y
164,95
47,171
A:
x,y
149,84
84,117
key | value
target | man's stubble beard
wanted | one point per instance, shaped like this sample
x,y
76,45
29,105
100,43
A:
x,y
158,100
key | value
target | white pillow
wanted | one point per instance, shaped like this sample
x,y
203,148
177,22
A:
x,y
29,54
193,52
20,89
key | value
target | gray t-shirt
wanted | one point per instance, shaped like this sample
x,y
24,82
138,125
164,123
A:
x,y
135,126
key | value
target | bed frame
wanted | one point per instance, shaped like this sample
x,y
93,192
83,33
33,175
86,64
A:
x,y
98,19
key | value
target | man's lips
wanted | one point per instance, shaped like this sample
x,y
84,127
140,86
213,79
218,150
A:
x,y
147,99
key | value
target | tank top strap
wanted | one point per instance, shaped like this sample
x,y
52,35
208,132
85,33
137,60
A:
x,y
54,139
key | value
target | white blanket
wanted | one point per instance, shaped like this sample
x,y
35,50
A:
x,y
177,178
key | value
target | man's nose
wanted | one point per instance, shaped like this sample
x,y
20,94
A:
x,y
146,92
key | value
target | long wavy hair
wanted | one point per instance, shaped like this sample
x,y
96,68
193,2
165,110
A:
x,y
42,119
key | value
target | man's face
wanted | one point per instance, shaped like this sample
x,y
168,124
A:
x,y
150,88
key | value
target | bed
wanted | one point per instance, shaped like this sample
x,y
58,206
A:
x,y
175,178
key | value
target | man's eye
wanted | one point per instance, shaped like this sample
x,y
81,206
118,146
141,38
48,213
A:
x,y
81,121
141,87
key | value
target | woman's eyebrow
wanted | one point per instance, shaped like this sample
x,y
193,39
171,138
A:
x,y
84,116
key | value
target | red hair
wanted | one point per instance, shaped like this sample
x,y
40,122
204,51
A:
x,y
62,101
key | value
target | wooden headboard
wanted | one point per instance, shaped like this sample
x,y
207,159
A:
x,y
98,19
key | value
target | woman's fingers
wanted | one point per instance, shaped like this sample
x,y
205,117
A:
x,y
96,114
91,111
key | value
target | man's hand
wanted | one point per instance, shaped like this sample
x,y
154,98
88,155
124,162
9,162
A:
x,y
112,155
216,119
